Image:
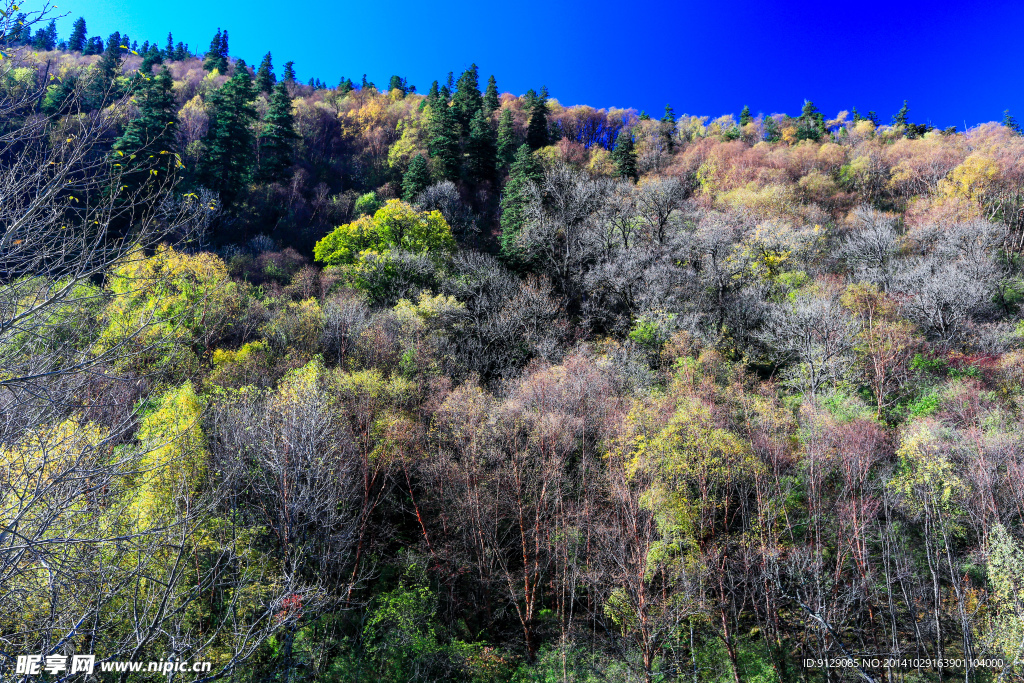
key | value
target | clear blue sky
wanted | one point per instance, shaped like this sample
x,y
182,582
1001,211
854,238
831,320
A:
x,y
956,63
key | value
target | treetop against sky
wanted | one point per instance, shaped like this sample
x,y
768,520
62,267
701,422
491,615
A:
x,y
957,64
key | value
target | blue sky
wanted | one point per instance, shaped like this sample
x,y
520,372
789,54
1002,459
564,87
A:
x,y
957,63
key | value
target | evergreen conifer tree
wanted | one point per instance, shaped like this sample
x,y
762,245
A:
x,y
902,117
180,52
525,170
147,139
289,72
107,68
46,38
400,84
745,115
668,128
229,142
150,58
93,46
467,100
624,156
76,41
416,179
366,84
537,130
491,101
277,135
212,59
265,75
443,142
345,86
481,148
1010,122
507,144
169,48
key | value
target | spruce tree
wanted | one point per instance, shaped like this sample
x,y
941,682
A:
x,y
150,58
624,156
289,72
345,86
416,179
431,97
491,100
481,148
902,117
76,41
180,52
443,142
149,138
745,116
229,142
1011,123
467,100
93,46
265,75
668,128
366,84
169,48
46,38
525,170
217,56
107,68
277,135
507,144
537,130
400,84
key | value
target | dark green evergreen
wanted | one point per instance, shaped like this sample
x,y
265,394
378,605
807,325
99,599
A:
x,y
526,170
265,78
443,142
1010,122
416,178
624,156
76,41
481,148
229,142
507,143
46,38
467,100
668,129
537,130
169,48
180,52
150,58
147,144
745,116
491,100
289,72
277,136
217,56
902,117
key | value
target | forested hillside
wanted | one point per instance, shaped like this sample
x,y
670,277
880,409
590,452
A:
x,y
355,383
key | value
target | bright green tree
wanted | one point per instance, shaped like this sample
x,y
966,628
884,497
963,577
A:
x,y
397,225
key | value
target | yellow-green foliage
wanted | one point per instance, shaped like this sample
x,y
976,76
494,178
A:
x,y
926,480
174,461
1005,632
169,302
298,327
396,225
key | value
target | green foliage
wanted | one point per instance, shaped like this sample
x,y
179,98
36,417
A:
x,y
481,148
228,164
490,101
265,75
396,225
146,148
537,130
526,170
216,58
277,136
416,179
624,156
507,144
367,204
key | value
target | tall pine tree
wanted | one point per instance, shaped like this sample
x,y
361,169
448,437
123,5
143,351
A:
x,y
265,75
443,142
277,135
217,56
467,100
481,148
289,72
147,144
668,129
491,101
525,170
229,142
416,179
76,41
537,131
624,156
745,116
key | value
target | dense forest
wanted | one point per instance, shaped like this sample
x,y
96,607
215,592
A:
x,y
353,383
